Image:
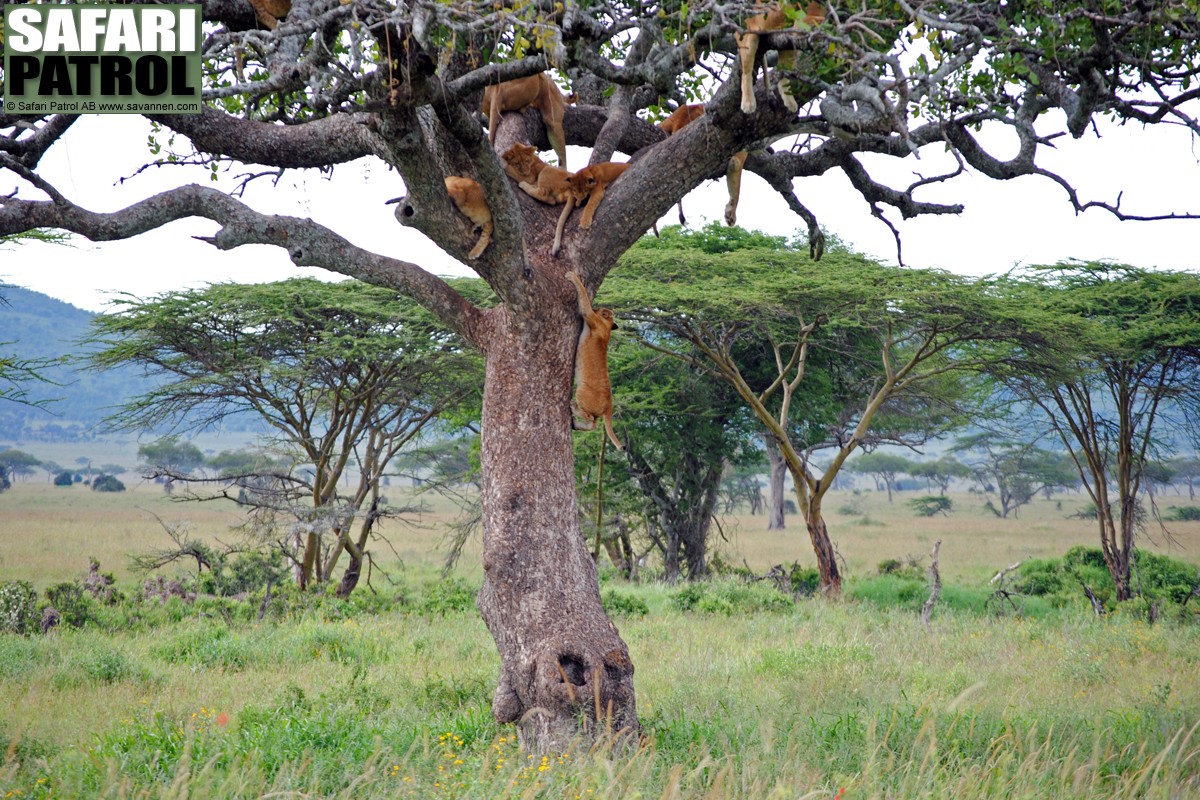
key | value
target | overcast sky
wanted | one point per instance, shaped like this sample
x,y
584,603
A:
x,y
1024,221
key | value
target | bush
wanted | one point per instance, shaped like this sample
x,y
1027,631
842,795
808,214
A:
x,y
447,597
107,483
243,573
69,600
1040,578
688,597
729,597
908,569
18,607
1155,577
618,602
1183,514
1163,577
64,479
805,581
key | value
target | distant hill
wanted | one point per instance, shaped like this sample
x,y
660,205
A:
x,y
36,326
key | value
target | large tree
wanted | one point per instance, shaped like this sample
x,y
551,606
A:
x,y
1128,387
840,356
342,375
339,80
1015,470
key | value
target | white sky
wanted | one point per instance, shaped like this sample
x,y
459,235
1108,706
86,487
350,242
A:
x,y
1024,221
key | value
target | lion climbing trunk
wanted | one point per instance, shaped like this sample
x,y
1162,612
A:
x,y
564,670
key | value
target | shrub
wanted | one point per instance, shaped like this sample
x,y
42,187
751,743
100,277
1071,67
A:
x,y
445,597
908,569
618,602
1040,578
735,597
688,597
1183,513
1163,577
107,483
1155,577
729,597
805,581
244,573
18,607
66,478
69,600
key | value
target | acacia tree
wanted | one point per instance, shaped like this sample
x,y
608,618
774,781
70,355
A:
x,y
1016,471
1130,381
1187,469
680,431
167,459
343,374
14,463
339,80
885,466
943,471
899,348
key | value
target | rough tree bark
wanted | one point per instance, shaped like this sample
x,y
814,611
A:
x,y
818,534
560,658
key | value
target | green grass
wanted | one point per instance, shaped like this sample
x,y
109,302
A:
x,y
789,702
741,693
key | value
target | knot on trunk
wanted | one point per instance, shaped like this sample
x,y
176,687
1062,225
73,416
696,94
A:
x,y
566,684
406,210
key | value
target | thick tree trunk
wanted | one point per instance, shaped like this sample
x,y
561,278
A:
x,y
831,578
779,468
562,663
695,541
1116,543
350,577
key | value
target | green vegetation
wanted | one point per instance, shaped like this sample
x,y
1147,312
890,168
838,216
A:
x,y
1160,580
743,694
107,483
176,685
1183,513
930,505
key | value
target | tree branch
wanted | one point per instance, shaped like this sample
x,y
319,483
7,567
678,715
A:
x,y
308,243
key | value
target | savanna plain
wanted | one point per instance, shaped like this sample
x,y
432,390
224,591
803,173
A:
x,y
743,691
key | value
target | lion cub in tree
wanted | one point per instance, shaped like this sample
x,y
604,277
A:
x,y
773,18
593,392
681,117
535,177
468,196
589,185
269,12
586,186
538,91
